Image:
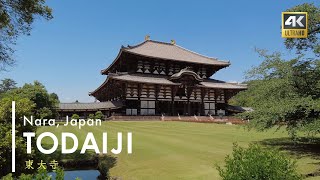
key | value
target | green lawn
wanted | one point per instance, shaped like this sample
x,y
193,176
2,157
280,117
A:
x,y
177,150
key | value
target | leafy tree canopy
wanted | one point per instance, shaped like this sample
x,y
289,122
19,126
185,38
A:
x,y
287,92
75,116
282,93
16,18
31,99
312,42
45,103
99,115
24,107
6,85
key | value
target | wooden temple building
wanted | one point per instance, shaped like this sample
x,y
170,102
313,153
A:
x,y
159,78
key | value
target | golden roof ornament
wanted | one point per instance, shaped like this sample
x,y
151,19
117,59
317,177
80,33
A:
x,y
173,41
147,37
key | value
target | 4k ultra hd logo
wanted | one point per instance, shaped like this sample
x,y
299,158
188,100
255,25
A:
x,y
294,24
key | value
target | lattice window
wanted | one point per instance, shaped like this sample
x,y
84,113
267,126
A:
x,y
148,108
131,112
209,108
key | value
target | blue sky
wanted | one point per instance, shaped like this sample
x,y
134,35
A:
x,y
67,53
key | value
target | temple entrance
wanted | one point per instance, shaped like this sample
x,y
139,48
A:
x,y
184,108
179,107
164,107
195,108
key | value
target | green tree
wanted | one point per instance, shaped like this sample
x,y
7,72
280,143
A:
x,y
258,163
24,107
75,116
41,174
45,103
91,116
6,85
105,163
282,93
16,18
312,41
60,174
99,115
287,92
31,99
54,98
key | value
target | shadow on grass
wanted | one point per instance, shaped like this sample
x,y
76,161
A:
x,y
302,147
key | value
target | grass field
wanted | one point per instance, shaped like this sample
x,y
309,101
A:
x,y
178,150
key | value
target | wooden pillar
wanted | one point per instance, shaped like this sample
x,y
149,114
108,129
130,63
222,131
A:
x,y
124,89
173,108
189,108
156,94
139,101
184,108
199,108
85,114
225,101
174,90
203,94
215,101
169,107
189,92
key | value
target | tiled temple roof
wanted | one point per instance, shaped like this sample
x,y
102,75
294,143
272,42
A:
x,y
143,78
156,79
169,51
160,79
90,106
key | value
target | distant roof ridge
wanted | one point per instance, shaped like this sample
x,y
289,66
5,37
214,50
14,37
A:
x,y
134,46
161,42
168,51
170,44
80,102
149,40
167,43
90,105
213,58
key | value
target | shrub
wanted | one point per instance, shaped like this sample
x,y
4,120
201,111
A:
x,y
91,116
75,116
105,163
42,174
258,163
60,174
99,115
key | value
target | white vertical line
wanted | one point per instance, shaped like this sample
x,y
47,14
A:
x,y
13,136
129,139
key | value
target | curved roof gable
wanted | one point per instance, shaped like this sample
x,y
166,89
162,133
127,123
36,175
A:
x,y
185,71
169,51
